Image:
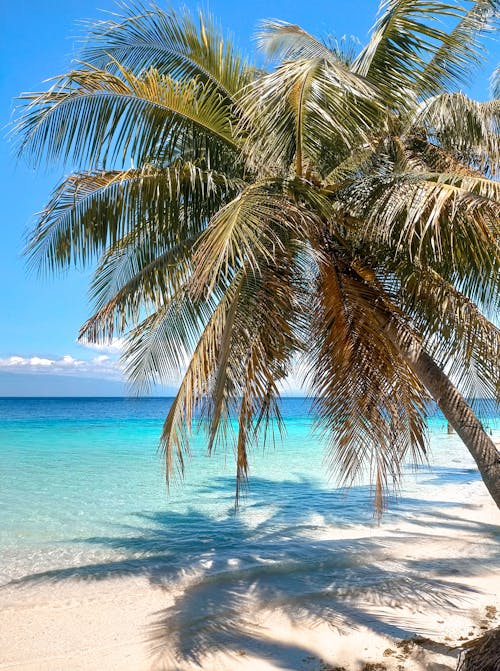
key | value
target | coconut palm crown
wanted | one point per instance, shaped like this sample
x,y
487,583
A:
x,y
339,212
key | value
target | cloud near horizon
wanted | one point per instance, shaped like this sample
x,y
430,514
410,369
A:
x,y
105,366
101,366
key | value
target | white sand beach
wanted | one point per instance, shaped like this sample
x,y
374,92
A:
x,y
434,582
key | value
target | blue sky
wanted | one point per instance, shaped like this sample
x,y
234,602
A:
x,y
41,317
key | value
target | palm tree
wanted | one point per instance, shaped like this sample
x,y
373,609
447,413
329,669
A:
x,y
341,210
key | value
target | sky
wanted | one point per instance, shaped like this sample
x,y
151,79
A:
x,y
41,316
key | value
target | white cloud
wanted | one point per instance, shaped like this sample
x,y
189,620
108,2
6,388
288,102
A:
x,y
37,361
101,358
105,366
15,361
101,366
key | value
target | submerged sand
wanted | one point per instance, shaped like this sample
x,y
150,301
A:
x,y
434,581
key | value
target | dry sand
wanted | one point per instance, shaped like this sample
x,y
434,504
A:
x,y
439,578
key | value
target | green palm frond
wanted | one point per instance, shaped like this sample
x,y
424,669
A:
x,y
173,43
94,117
462,51
92,210
310,111
264,332
439,219
247,230
470,130
284,41
244,352
158,349
135,276
287,42
168,337
457,335
265,340
405,37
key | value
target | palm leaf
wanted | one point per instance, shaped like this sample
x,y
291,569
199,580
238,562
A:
x,y
172,43
152,349
92,117
159,348
369,403
457,335
440,219
468,129
309,107
404,38
135,276
462,51
92,210
252,341
243,232
284,41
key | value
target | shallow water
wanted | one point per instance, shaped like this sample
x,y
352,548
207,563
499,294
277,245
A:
x,y
83,492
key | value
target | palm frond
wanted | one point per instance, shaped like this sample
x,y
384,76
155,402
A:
x,y
256,354
232,372
94,117
404,38
369,403
172,42
465,127
151,351
135,276
462,51
283,41
243,232
442,221
90,211
244,350
159,348
309,107
350,168
456,334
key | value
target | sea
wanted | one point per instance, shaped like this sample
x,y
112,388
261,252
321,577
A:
x,y
83,492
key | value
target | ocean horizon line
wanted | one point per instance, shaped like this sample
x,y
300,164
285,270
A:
x,y
134,397
141,397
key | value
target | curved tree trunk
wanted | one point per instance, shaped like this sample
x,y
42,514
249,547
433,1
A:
x,y
453,405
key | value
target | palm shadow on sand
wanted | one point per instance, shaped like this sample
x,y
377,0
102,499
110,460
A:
x,y
275,556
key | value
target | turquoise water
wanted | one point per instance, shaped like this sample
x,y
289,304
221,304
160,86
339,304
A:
x,y
83,490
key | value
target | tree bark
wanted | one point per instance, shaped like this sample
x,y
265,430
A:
x,y
452,404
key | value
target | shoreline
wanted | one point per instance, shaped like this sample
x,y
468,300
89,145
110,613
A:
x,y
428,577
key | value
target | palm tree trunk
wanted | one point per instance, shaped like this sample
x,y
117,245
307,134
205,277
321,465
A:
x,y
452,404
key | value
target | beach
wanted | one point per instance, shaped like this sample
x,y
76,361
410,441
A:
x,y
302,577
